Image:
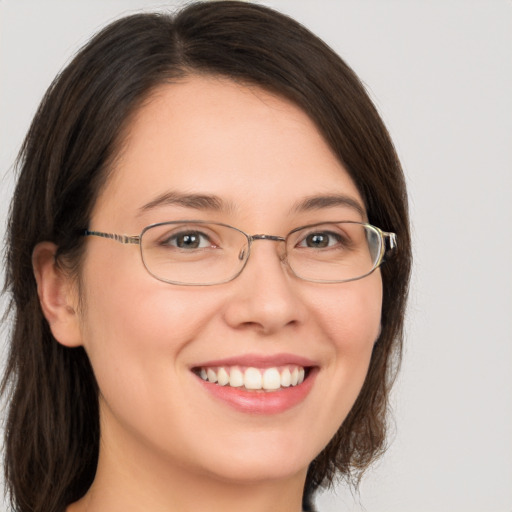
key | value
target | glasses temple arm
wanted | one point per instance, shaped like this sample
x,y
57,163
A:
x,y
390,244
123,239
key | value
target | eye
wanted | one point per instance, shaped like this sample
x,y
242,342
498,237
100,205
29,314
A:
x,y
320,240
188,240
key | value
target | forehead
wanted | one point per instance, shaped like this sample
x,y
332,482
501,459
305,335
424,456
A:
x,y
257,152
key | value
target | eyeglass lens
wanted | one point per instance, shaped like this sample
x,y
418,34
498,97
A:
x,y
210,253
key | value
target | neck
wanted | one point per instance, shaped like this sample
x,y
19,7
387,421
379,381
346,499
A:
x,y
131,479
186,493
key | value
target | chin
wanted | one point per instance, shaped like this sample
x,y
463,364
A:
x,y
264,456
253,471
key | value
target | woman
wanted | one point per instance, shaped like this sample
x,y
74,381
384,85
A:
x,y
202,319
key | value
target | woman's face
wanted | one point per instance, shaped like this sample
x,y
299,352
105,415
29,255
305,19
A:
x,y
207,148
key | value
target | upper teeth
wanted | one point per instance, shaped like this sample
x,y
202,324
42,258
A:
x,y
254,378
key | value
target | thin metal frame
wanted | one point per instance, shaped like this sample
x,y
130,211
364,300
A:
x,y
384,236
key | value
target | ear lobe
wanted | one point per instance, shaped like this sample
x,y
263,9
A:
x,y
57,295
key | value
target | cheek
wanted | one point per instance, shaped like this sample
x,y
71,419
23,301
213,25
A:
x,y
134,328
351,314
134,321
350,318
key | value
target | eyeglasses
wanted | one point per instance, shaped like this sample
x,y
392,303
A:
x,y
202,253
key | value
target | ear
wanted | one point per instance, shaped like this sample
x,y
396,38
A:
x,y
57,295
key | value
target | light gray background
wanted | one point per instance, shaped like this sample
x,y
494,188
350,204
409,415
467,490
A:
x,y
440,73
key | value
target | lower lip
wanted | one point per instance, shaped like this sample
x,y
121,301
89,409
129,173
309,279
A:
x,y
262,402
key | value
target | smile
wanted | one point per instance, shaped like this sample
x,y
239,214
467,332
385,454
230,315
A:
x,y
258,384
253,378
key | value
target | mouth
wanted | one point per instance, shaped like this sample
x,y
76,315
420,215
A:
x,y
258,384
253,378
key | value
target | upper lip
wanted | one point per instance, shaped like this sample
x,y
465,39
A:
x,y
259,361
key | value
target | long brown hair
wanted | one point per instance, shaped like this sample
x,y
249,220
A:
x,y
52,429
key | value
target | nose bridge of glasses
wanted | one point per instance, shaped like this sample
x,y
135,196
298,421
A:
x,y
272,238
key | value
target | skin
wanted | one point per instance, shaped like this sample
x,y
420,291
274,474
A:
x,y
163,436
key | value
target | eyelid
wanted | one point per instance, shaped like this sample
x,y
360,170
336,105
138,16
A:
x,y
183,229
301,235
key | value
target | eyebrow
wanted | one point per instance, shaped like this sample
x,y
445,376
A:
x,y
319,202
196,201
215,203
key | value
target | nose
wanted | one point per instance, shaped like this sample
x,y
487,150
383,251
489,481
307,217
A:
x,y
266,296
